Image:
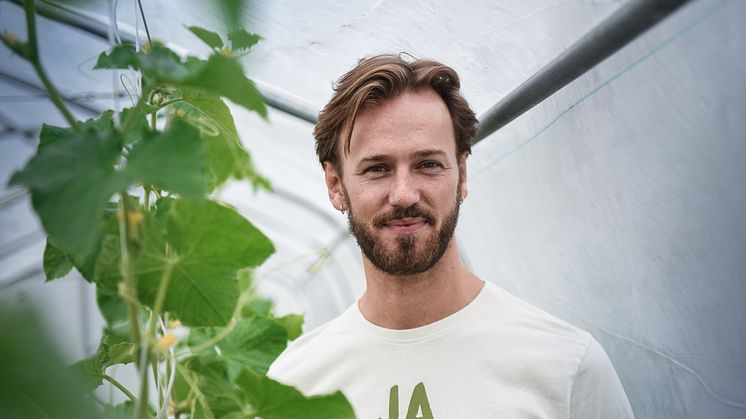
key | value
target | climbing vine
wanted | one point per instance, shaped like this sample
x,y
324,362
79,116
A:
x,y
124,200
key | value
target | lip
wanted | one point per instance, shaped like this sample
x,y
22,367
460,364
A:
x,y
405,225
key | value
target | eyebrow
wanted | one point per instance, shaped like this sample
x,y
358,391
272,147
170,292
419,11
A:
x,y
384,157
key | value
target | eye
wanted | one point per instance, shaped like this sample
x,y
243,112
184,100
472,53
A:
x,y
431,164
378,168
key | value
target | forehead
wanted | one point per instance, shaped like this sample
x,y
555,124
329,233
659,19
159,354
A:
x,y
407,123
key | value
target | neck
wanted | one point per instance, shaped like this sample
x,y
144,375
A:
x,y
405,302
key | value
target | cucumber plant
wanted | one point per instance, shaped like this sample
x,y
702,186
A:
x,y
124,199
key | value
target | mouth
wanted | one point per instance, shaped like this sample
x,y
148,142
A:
x,y
405,225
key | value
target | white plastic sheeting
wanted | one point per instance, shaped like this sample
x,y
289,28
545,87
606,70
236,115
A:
x,y
617,204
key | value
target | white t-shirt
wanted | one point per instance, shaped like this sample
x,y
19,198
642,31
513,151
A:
x,y
498,357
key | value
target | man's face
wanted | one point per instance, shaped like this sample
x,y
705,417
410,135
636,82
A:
x,y
401,182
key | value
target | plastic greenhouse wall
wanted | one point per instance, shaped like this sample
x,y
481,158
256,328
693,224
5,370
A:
x,y
618,204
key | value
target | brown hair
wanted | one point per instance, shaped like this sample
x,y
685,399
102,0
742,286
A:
x,y
378,78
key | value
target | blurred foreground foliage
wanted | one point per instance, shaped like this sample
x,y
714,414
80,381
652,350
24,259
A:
x,y
34,382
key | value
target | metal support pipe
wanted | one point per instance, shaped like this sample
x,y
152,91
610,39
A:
x,y
98,26
616,31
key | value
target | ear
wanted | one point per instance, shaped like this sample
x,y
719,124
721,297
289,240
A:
x,y
333,178
462,174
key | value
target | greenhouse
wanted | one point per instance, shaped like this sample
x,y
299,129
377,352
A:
x,y
168,228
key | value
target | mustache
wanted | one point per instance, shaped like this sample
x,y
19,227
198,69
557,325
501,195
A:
x,y
414,211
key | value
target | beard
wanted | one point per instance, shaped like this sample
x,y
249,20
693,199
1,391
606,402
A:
x,y
409,255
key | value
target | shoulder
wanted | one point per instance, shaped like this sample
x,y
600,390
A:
x,y
596,389
565,353
532,323
315,350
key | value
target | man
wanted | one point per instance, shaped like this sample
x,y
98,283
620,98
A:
x,y
428,339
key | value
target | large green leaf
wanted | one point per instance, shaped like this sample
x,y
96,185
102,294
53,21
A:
x,y
273,400
292,323
224,76
210,38
263,307
73,177
120,57
113,308
253,343
159,62
121,353
213,382
172,160
203,245
219,75
51,134
162,64
84,261
71,181
212,243
138,130
258,306
56,262
254,395
92,369
241,40
125,410
225,155
181,388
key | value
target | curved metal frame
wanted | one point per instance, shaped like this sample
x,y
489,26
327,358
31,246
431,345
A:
x,y
616,31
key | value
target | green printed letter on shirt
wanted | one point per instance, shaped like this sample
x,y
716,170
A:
x,y
417,403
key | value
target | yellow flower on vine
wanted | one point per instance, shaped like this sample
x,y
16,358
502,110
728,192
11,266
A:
x,y
10,38
134,218
168,340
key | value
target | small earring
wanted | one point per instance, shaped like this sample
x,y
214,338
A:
x,y
460,200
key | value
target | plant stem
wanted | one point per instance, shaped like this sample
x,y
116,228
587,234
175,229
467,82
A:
x,y
150,333
217,338
197,393
30,9
161,296
142,406
169,102
130,282
146,205
142,372
242,300
119,385
156,378
130,295
169,370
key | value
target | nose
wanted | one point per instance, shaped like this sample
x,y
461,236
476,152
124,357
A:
x,y
404,191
